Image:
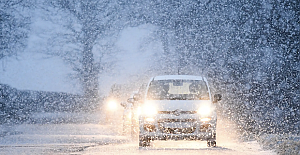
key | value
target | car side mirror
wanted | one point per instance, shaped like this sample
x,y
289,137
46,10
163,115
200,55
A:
x,y
123,104
130,100
136,97
217,97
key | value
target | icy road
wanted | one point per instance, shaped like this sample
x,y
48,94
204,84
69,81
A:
x,y
180,147
228,144
95,138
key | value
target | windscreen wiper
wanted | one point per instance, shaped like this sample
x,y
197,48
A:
x,y
177,98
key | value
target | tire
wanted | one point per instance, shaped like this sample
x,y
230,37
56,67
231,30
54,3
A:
x,y
144,142
211,143
208,144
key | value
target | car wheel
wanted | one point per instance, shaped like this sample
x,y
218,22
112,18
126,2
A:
x,y
208,144
211,143
144,142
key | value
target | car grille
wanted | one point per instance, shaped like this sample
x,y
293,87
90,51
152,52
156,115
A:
x,y
175,112
181,126
175,120
178,130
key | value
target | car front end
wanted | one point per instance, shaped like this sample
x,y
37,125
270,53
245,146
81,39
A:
x,y
191,121
177,107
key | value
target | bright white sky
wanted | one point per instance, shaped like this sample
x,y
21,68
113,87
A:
x,y
37,71
133,59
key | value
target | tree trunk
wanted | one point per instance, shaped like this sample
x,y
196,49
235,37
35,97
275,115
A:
x,y
90,76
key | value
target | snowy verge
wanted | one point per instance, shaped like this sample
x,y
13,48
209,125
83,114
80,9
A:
x,y
56,138
282,144
40,134
67,117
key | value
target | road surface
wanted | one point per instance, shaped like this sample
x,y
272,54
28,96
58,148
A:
x,y
179,148
97,138
227,144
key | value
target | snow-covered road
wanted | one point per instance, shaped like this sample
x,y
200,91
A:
x,y
227,144
86,145
36,139
179,148
95,138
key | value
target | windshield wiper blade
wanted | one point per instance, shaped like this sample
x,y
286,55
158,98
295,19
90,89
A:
x,y
177,98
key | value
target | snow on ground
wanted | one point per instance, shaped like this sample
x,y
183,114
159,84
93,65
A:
x,y
283,144
227,144
68,117
179,148
89,130
56,138
92,137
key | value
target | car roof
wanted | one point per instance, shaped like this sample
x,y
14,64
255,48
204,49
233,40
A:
x,y
178,77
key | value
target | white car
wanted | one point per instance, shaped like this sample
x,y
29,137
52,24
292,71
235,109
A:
x,y
129,114
178,107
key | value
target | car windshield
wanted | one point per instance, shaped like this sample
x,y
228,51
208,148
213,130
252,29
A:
x,y
178,90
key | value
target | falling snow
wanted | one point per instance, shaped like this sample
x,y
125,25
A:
x,y
61,61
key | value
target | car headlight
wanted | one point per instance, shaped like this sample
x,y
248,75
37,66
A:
x,y
149,110
129,116
205,119
204,110
139,111
112,105
149,119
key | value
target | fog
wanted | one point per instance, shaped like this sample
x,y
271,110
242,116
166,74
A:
x,y
63,59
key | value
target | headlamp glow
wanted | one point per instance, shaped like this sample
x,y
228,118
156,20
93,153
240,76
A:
x,y
204,110
139,111
149,119
112,105
149,110
129,116
205,119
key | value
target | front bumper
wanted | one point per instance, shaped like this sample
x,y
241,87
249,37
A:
x,y
181,129
163,136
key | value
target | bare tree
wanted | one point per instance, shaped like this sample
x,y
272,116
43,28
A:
x,y
96,19
14,26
